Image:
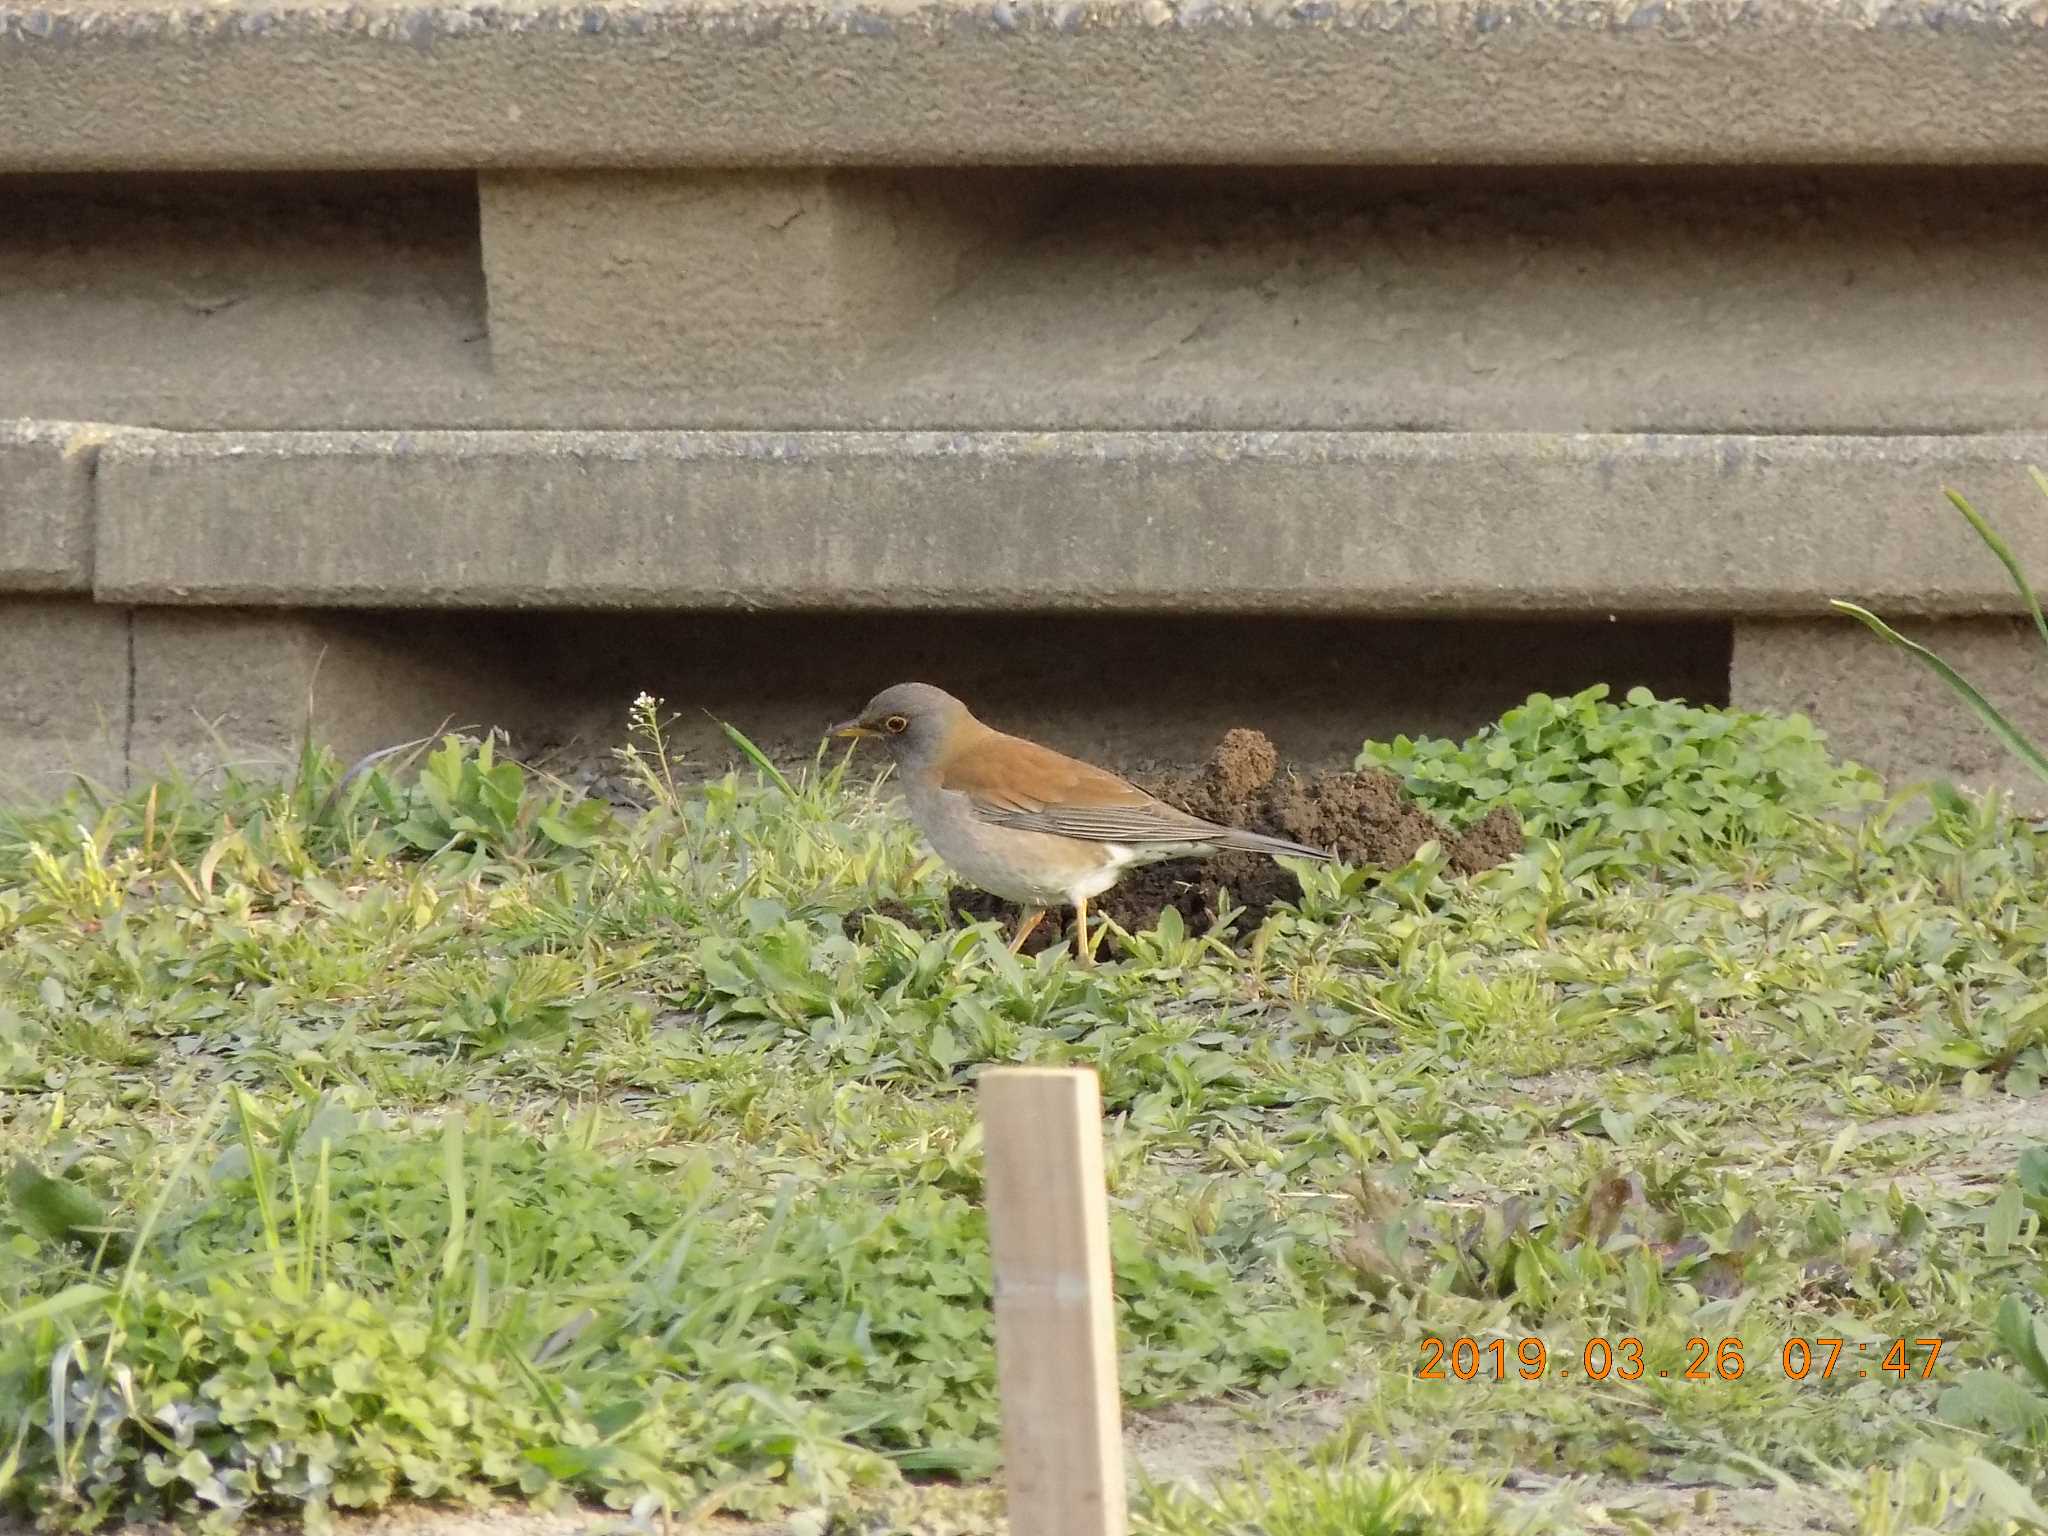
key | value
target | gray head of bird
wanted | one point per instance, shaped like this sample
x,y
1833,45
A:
x,y
915,721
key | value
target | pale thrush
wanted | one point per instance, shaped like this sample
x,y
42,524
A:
x,y
1024,822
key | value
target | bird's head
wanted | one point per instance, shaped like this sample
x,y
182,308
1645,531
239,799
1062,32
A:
x,y
915,721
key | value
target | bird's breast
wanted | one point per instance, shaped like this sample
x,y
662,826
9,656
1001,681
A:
x,y
1035,867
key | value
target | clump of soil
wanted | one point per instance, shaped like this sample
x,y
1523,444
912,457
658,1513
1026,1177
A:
x,y
1362,817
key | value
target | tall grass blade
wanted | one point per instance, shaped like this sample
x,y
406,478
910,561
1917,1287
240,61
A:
x,y
2001,727
2000,548
757,757
71,1299
131,1275
364,764
60,1378
458,1199
10,1468
259,1176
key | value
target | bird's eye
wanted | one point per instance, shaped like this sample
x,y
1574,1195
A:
x,y
896,725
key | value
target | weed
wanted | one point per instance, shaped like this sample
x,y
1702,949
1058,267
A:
x,y
1647,768
1328,1497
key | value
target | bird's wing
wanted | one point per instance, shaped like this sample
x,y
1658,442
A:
x,y
1015,783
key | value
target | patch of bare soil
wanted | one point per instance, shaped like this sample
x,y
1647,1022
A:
x,y
1196,1445
1969,1146
1676,1509
1363,817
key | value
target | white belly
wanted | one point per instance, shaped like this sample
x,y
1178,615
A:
x,y
1030,867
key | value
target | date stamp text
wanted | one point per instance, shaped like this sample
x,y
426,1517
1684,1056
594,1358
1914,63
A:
x,y
1726,1359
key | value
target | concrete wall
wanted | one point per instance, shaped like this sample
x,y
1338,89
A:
x,y
1526,344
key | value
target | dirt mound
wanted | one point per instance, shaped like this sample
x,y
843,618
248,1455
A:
x,y
1361,817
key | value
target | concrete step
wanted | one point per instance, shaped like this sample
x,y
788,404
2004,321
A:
x,y
1361,524
100,84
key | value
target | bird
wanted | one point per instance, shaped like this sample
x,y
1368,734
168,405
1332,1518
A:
x,y
1024,822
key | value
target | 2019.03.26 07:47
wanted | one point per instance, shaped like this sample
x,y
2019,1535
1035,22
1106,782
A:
x,y
1623,1359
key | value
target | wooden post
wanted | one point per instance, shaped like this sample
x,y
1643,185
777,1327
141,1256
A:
x,y
1048,1221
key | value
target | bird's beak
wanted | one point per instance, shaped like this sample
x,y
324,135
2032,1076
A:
x,y
850,730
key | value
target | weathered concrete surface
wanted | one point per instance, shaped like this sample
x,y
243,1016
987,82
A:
x,y
63,695
243,689
46,506
1535,302
119,695
341,301
1375,524
724,282
1477,301
1884,709
94,84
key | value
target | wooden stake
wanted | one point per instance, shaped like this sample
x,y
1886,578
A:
x,y
1048,1220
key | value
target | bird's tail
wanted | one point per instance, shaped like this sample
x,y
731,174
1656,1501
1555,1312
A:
x,y
1258,842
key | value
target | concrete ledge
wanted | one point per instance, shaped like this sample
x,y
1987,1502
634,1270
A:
x,y
92,86
1381,524
46,506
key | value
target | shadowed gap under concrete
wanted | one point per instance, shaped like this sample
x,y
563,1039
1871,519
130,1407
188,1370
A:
x,y
1136,692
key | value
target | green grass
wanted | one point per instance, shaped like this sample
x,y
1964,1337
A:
x,y
441,1133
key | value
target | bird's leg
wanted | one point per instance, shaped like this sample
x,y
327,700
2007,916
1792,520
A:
x,y
1082,948
1030,919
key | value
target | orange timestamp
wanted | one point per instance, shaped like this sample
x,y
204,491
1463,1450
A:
x,y
1622,1359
